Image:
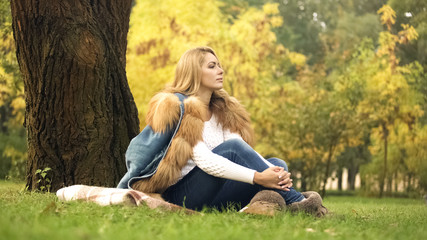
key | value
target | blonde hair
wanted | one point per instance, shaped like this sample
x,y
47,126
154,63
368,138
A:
x,y
188,77
189,70
187,81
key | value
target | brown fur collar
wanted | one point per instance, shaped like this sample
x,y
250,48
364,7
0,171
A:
x,y
164,112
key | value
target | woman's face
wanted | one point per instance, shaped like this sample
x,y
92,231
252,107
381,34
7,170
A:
x,y
212,73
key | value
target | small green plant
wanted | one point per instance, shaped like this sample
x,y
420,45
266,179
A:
x,y
44,182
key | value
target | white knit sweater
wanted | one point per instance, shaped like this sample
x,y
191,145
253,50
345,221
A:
x,y
214,164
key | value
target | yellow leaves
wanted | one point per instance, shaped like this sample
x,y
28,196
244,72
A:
x,y
11,152
312,154
407,34
376,138
295,154
280,49
18,105
354,141
389,96
402,139
297,59
386,87
317,96
417,111
276,22
271,8
387,43
11,92
312,99
293,92
4,90
388,40
249,28
388,16
416,149
309,137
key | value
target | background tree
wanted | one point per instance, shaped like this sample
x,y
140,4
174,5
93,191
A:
x,y
350,85
13,149
389,99
80,113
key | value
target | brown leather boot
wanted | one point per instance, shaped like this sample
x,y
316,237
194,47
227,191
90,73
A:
x,y
265,202
311,205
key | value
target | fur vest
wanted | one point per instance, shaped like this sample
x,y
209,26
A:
x,y
164,113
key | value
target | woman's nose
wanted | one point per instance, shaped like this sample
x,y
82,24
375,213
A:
x,y
221,71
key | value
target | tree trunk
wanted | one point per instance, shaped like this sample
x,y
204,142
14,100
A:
x,y
328,166
384,173
396,182
409,186
303,183
389,184
339,177
351,177
80,113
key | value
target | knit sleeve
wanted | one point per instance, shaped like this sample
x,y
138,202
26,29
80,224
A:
x,y
219,166
231,135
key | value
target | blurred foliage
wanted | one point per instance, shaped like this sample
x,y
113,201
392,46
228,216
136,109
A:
x,y
389,103
329,84
12,104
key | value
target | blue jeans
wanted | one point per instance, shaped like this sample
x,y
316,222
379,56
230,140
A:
x,y
198,189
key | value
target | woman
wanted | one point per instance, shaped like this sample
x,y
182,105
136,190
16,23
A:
x,y
196,149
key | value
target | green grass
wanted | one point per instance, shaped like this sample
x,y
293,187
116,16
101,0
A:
x,y
31,215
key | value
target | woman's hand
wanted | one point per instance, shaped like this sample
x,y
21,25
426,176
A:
x,y
275,178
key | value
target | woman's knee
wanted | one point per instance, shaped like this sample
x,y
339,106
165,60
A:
x,y
237,151
278,162
235,145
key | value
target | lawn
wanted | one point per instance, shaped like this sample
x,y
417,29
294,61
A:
x,y
31,215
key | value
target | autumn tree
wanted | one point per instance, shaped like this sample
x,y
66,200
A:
x,y
80,114
351,86
388,101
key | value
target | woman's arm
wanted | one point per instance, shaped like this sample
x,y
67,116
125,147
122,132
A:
x,y
268,178
218,166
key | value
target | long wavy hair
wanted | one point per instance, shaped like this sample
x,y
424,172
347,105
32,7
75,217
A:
x,y
188,76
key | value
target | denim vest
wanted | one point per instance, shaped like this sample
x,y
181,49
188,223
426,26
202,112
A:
x,y
147,149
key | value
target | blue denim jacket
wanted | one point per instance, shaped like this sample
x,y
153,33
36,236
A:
x,y
146,150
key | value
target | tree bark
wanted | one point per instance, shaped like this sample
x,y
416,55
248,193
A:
x,y
80,113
